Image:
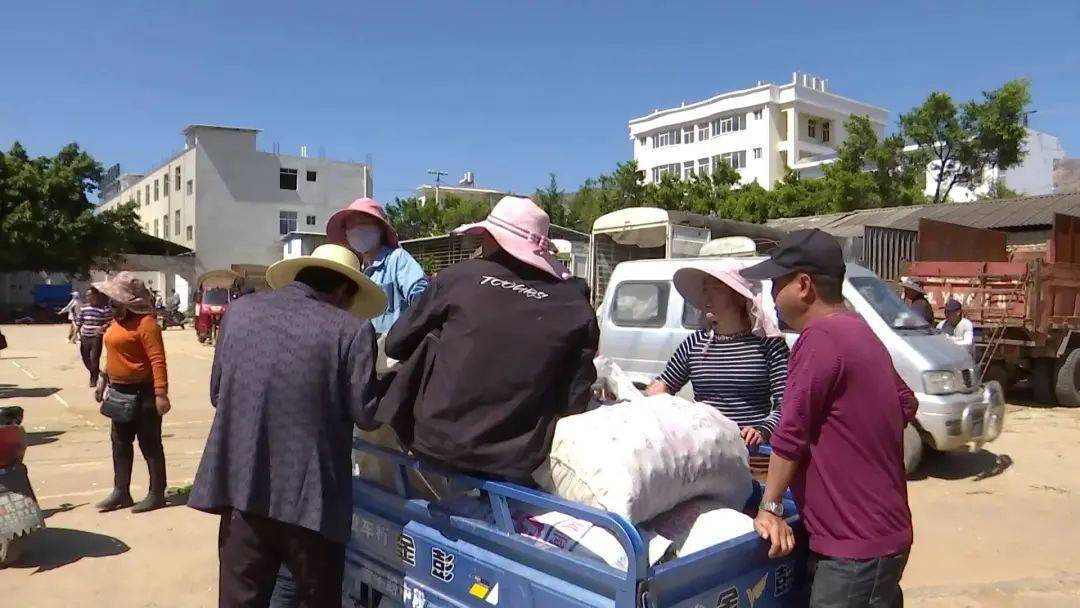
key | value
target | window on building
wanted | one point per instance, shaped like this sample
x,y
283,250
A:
x,y
190,187
165,226
190,233
155,227
757,114
655,174
311,176
663,139
728,124
703,131
147,194
688,134
826,129
688,169
146,227
310,220
757,153
736,160
176,224
811,128
156,191
138,197
287,221
165,183
703,166
641,140
178,185
287,179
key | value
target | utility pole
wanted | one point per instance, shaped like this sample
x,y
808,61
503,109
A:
x,y
438,180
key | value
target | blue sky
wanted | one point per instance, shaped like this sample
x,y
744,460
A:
x,y
510,90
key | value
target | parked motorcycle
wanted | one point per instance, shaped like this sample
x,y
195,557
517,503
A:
x,y
170,317
20,515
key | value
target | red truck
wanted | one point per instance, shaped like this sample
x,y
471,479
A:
x,y
1025,305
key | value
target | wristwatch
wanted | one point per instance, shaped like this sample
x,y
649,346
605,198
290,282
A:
x,y
776,508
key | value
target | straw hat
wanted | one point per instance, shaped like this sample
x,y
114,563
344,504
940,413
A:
x,y
690,282
520,227
335,226
369,301
127,291
914,284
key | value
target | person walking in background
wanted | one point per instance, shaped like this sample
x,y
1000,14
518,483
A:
x,y
915,296
94,317
958,328
135,365
71,309
738,362
364,228
293,369
839,444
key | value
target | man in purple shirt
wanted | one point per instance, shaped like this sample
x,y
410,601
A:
x,y
839,444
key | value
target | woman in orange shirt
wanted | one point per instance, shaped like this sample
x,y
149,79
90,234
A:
x,y
135,365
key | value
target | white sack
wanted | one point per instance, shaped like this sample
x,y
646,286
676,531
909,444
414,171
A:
x,y
699,524
640,458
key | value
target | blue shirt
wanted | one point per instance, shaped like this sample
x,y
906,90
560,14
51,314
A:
x,y
402,278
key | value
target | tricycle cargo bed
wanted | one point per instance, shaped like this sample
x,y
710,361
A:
x,y
414,553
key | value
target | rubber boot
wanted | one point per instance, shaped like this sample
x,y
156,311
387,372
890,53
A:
x,y
119,499
155,499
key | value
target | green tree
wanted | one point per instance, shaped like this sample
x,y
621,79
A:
x,y
557,204
47,221
963,142
413,218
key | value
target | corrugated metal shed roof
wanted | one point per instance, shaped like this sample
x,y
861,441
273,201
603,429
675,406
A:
x,y
1025,212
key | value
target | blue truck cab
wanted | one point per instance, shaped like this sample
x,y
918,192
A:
x,y
408,552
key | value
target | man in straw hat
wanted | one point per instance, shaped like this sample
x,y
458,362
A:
x,y
515,351
292,371
915,297
839,444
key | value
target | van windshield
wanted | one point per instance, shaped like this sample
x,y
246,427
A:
x,y
887,304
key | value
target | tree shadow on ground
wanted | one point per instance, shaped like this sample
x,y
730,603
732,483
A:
x,y
64,508
53,548
961,464
42,437
11,391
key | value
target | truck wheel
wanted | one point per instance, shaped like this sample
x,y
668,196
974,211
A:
x,y
913,449
1043,383
1067,388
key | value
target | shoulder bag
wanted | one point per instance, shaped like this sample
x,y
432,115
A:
x,y
120,407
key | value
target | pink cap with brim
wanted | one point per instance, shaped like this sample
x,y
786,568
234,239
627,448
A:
x,y
521,227
335,226
689,282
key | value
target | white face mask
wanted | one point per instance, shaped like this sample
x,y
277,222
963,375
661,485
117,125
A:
x,y
364,238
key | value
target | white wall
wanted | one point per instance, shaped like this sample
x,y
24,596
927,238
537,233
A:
x,y
1033,176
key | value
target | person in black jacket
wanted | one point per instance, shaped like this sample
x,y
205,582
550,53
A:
x,y
515,352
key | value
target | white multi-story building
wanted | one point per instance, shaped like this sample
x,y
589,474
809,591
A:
x,y
761,131
231,203
1033,176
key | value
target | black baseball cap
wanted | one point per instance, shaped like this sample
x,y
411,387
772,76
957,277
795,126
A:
x,y
811,251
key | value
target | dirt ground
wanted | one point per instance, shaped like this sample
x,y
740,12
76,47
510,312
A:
x,y
1004,541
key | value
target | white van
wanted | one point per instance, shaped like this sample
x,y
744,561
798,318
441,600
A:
x,y
643,318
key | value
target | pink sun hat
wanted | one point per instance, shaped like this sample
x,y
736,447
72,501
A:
x,y
690,282
520,227
335,226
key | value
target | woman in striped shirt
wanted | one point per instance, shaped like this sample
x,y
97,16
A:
x,y
738,362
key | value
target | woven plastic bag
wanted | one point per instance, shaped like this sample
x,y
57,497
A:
x,y
645,456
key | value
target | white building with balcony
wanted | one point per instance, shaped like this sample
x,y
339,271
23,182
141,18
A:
x,y
231,203
761,131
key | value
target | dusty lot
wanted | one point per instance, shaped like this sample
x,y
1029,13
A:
x,y
1008,540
